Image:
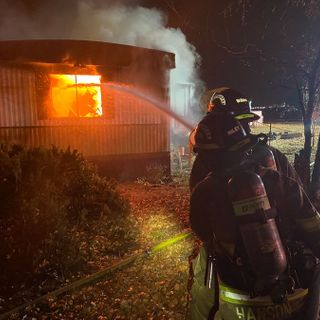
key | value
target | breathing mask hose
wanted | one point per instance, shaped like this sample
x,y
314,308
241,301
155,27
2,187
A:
x,y
311,307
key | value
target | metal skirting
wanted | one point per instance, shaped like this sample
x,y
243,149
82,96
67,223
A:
x,y
93,140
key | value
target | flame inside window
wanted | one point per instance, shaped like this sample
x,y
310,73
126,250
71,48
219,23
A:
x,y
76,95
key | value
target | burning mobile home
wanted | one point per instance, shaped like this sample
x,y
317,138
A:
x,y
58,92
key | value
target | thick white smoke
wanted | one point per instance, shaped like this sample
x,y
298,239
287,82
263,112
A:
x,y
111,22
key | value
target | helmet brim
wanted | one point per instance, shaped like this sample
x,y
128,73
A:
x,y
250,116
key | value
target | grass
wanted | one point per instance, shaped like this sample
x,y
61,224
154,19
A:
x,y
288,146
181,167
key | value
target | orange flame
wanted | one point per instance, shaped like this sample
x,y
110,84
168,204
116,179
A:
x,y
76,95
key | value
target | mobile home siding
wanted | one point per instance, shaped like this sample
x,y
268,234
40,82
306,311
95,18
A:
x,y
137,127
131,130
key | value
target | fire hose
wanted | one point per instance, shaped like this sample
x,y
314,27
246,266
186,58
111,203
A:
x,y
100,274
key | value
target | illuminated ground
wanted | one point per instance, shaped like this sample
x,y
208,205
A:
x,y
152,288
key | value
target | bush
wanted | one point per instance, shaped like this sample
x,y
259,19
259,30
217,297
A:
x,y
45,193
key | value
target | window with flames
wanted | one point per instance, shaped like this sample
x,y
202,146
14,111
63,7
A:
x,y
75,96
71,96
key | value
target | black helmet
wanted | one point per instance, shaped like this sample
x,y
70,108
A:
x,y
230,101
220,131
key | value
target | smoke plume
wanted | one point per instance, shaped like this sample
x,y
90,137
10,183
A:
x,y
122,22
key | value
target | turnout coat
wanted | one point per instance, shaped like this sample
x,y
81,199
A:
x,y
211,214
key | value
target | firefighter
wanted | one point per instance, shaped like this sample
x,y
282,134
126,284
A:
x,y
228,100
260,232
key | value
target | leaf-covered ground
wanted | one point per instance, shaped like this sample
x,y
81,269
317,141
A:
x,y
152,287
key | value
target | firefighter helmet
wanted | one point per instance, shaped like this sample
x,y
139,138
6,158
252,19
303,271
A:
x,y
220,131
231,101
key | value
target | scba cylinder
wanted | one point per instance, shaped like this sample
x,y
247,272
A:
x,y
258,228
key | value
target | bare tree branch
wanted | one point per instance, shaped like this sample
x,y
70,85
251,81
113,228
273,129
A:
x,y
185,21
243,51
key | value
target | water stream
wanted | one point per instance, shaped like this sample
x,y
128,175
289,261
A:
x,y
160,105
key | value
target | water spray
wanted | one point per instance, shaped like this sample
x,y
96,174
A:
x,y
160,105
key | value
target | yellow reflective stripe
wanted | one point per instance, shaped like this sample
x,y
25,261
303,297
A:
x,y
310,224
245,116
226,288
235,298
299,294
242,298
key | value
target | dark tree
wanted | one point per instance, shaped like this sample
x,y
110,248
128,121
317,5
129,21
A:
x,y
279,41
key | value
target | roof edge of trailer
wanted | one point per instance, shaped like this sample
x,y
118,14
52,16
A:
x,y
80,52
